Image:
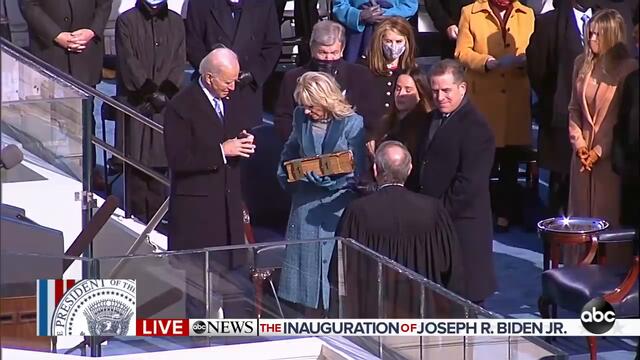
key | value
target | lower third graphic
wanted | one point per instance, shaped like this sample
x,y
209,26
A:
x,y
95,307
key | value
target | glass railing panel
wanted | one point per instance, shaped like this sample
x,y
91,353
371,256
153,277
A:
x,y
42,113
223,283
41,196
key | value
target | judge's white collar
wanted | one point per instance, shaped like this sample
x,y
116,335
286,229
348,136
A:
x,y
390,184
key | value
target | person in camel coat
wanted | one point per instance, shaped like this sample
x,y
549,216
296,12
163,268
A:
x,y
593,112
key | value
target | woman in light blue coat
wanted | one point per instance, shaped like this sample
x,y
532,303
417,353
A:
x,y
323,123
360,17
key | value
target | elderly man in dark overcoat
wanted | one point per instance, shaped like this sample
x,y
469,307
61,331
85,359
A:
x,y
455,162
205,140
248,27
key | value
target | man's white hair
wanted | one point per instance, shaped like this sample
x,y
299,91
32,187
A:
x,y
217,59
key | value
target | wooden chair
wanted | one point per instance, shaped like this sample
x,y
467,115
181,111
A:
x,y
571,287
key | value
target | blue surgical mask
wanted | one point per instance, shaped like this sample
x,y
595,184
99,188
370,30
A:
x,y
393,51
154,3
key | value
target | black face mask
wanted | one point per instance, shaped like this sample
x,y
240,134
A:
x,y
326,66
585,4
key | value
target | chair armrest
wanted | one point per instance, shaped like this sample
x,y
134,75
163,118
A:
x,y
591,253
625,287
607,237
617,236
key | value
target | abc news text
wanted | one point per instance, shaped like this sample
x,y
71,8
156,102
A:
x,y
377,327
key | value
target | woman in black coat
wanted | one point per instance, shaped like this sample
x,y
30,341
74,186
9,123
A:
x,y
407,120
392,52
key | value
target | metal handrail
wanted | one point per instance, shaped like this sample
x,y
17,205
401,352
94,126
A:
x,y
135,163
54,72
43,67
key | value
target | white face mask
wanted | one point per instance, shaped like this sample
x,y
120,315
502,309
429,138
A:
x,y
393,51
154,3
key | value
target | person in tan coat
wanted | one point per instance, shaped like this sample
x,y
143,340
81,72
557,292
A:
x,y
492,40
593,112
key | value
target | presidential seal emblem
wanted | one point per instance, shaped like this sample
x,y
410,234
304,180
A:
x,y
96,307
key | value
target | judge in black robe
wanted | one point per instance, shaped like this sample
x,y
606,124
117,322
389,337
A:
x,y
411,229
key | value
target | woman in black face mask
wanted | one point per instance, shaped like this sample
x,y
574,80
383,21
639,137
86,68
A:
x,y
392,52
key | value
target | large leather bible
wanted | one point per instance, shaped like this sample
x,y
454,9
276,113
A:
x,y
326,164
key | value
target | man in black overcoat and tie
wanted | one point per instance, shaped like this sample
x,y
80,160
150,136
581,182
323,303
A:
x,y
455,159
205,140
248,27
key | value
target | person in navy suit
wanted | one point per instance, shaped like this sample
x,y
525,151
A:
x,y
323,123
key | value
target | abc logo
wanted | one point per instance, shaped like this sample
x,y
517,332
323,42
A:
x,y
598,316
199,327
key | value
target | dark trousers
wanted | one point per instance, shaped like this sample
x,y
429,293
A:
x,y
558,193
145,195
448,47
630,212
506,191
305,15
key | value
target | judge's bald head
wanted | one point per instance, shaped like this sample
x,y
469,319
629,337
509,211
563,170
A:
x,y
219,72
392,163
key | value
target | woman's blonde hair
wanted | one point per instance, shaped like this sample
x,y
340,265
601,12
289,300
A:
x,y
376,59
609,25
320,89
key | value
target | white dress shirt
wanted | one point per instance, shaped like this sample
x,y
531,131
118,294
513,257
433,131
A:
x,y
582,24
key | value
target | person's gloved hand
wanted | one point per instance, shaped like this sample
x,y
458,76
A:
x,y
244,79
512,61
321,181
146,109
158,100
